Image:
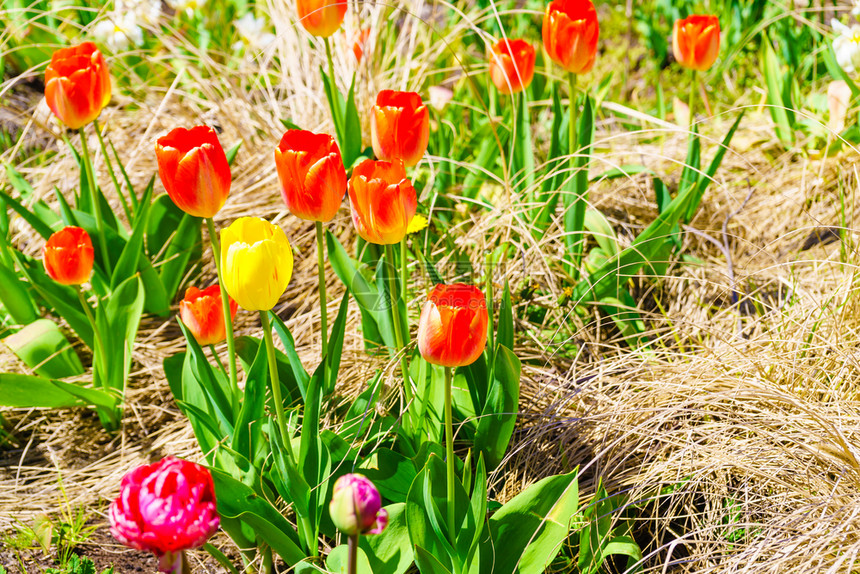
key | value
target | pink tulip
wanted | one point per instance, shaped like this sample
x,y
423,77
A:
x,y
165,508
356,507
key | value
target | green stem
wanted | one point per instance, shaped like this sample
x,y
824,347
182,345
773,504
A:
x,y
330,62
225,304
404,275
449,455
572,146
490,307
97,208
218,360
98,353
352,564
113,178
395,318
323,308
276,383
690,99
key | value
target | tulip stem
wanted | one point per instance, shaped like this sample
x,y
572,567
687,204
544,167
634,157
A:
x,y
352,564
691,98
404,277
99,352
395,318
97,207
225,304
113,178
330,63
573,147
449,456
218,360
276,383
323,307
490,305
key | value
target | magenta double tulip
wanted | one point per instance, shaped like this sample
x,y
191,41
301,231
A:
x,y
356,507
165,508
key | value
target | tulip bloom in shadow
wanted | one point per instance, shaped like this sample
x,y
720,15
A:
x,y
400,127
356,509
165,508
452,332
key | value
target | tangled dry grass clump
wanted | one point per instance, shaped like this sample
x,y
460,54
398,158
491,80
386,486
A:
x,y
732,438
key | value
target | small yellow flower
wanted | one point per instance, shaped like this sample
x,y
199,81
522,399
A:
x,y
256,262
417,223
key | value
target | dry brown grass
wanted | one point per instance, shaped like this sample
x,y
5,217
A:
x,y
733,437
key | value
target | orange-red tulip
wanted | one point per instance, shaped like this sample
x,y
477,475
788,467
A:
x,y
382,201
321,17
68,256
570,33
696,42
202,312
194,170
77,84
512,65
359,43
400,126
452,330
313,179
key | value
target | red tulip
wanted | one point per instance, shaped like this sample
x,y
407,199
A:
x,y
321,17
452,330
194,170
77,84
512,65
696,42
570,33
68,256
165,508
313,179
400,127
203,314
382,201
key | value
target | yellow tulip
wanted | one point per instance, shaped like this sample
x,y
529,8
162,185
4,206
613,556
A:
x,y
256,262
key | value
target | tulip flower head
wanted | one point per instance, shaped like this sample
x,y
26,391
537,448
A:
x,y
400,127
68,256
360,43
382,200
512,65
696,42
194,170
356,507
321,17
452,330
77,84
313,179
256,262
570,34
203,314
165,508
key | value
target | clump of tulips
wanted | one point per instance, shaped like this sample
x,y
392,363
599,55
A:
x,y
260,436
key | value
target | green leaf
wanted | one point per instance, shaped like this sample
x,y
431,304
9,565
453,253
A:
x,y
231,153
506,319
127,264
497,421
15,297
522,154
707,177
779,108
836,71
389,551
248,433
576,198
337,561
351,147
529,530
427,563
35,221
239,501
32,391
601,230
246,350
42,346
